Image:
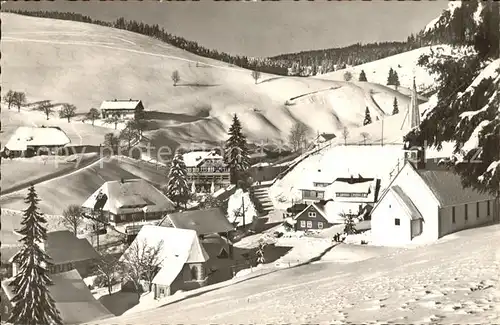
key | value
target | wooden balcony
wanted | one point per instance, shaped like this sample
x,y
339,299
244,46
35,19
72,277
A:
x,y
207,170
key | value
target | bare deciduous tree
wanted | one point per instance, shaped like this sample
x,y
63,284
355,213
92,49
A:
x,y
46,107
297,135
19,99
10,98
73,217
345,135
142,261
93,115
67,111
112,141
108,267
129,133
365,136
256,75
176,77
347,76
113,119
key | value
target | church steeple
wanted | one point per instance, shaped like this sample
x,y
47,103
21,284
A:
x,y
414,149
414,111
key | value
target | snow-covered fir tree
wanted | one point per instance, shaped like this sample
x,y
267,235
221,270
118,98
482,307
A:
x,y
368,118
395,109
467,90
362,76
177,188
393,78
32,302
236,152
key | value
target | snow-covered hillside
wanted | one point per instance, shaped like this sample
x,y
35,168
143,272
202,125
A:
x,y
79,63
240,205
405,64
455,281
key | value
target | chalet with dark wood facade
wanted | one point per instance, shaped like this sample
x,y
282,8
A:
x,y
128,201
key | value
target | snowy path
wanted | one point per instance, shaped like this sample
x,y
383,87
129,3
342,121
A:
x,y
409,286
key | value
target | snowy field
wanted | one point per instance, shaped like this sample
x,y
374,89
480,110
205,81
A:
x,y
267,109
455,281
405,64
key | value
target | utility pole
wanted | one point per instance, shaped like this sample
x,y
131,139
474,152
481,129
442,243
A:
x,y
382,140
243,210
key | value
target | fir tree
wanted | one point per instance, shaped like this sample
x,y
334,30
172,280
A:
x,y
390,78
368,118
177,187
395,105
396,79
362,76
236,151
32,302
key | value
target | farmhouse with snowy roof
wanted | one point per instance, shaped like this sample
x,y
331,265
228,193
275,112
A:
x,y
426,201
207,170
72,298
30,141
204,222
182,258
67,252
129,200
122,108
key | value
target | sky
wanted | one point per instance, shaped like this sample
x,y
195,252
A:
x,y
264,28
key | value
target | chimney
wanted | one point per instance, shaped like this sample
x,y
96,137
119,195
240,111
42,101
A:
x,y
122,180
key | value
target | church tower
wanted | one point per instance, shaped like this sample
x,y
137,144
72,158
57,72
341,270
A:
x,y
414,149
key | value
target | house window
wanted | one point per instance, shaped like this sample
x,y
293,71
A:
x,y
466,213
488,207
453,215
397,222
320,225
305,194
312,214
321,195
477,210
309,224
302,224
162,291
194,273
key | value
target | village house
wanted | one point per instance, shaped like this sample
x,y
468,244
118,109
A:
x,y
31,141
324,137
129,200
315,191
206,170
67,252
204,222
71,295
124,109
426,201
182,258
208,223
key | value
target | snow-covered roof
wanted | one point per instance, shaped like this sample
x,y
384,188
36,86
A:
x,y
406,202
194,158
26,136
129,196
120,104
179,246
204,222
72,297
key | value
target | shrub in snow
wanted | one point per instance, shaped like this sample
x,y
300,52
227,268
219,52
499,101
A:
x,y
260,252
350,225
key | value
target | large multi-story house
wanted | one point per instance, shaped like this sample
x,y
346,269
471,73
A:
x,y
207,170
124,109
129,200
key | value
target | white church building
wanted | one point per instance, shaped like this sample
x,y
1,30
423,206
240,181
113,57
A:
x,y
426,201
